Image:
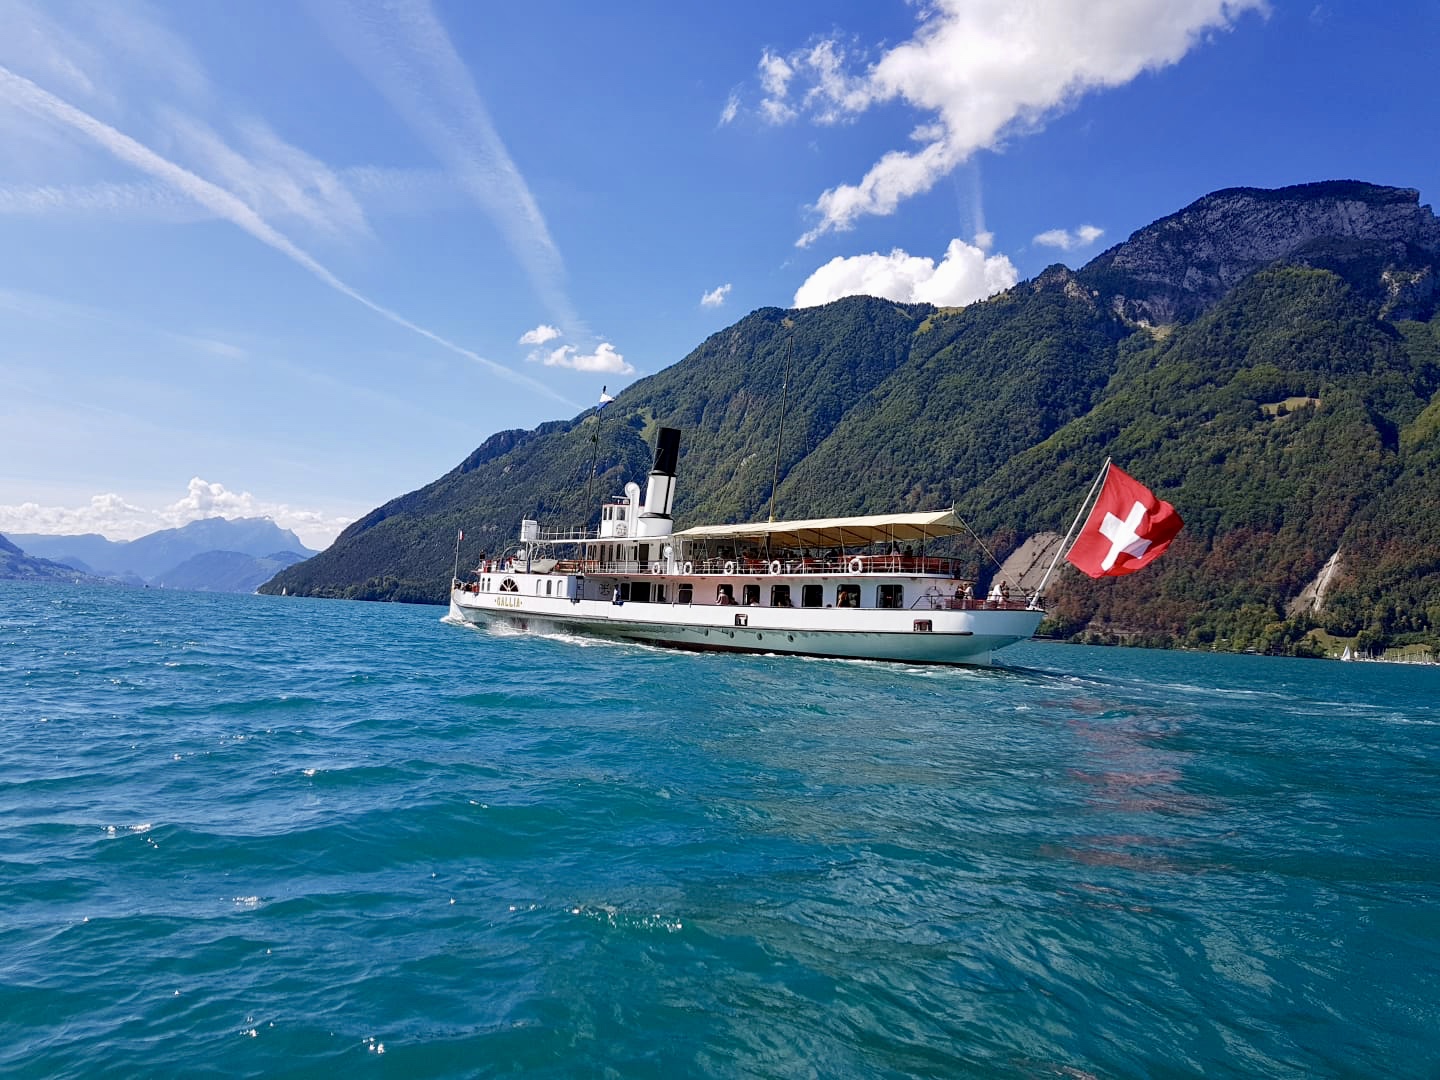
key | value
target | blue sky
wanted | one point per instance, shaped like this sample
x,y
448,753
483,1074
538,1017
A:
x,y
298,259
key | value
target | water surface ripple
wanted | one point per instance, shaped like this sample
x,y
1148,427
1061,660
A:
x,y
257,836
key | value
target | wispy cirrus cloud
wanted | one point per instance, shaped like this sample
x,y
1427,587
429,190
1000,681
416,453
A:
x,y
269,174
379,191
37,306
22,93
405,53
979,70
1069,239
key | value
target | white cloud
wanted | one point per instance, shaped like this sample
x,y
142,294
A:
x,y
1066,240
964,275
278,180
604,358
116,518
401,47
716,296
732,107
26,95
981,69
540,335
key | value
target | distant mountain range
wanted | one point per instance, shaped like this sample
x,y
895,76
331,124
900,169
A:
x,y
15,565
214,555
1267,360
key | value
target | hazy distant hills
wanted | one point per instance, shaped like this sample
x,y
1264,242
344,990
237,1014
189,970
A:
x,y
15,565
1267,360
226,571
215,555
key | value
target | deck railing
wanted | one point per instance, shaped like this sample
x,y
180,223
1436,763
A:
x,y
893,565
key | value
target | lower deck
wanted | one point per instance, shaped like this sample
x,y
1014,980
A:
x,y
880,619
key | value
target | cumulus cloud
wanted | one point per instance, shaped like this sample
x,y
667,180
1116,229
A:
x,y
116,518
979,70
716,296
604,358
1066,240
540,335
964,275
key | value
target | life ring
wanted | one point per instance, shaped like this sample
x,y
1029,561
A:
x,y
775,566
656,567
730,567
856,566
689,567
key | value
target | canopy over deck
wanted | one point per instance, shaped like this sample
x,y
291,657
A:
x,y
835,532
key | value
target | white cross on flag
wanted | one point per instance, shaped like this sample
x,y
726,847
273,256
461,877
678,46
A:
x,y
1128,528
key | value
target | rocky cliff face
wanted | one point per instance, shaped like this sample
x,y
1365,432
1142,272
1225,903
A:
x,y
1174,269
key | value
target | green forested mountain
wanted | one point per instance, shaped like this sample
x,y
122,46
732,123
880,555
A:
x,y
1266,360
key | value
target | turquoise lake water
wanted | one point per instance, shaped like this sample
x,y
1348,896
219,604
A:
x,y
262,836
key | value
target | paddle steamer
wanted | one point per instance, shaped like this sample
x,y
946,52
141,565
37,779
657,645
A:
x,y
854,587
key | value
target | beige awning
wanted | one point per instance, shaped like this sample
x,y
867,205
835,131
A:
x,y
835,532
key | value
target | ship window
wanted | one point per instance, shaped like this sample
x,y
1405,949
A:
x,y
687,593
537,588
725,594
549,587
658,592
890,596
644,553
508,585
847,596
752,595
622,591
812,596
780,596
640,592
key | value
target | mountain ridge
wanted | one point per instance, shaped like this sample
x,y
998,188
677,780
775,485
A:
x,y
1273,399
151,558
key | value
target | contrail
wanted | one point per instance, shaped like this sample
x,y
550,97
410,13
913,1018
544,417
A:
x,y
405,53
220,202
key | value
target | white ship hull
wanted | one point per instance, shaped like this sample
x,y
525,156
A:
x,y
915,635
857,588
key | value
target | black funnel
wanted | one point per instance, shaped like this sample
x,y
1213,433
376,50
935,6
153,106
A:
x,y
667,451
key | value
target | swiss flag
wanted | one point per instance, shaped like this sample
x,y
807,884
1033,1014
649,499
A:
x,y
1128,528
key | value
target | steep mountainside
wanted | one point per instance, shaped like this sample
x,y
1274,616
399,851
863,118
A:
x,y
1182,264
1264,359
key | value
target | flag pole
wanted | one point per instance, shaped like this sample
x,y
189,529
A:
x,y
455,570
1065,543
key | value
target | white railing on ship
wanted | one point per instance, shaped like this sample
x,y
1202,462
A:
x,y
893,565
565,536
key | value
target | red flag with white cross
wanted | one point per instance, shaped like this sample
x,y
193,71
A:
x,y
1127,529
